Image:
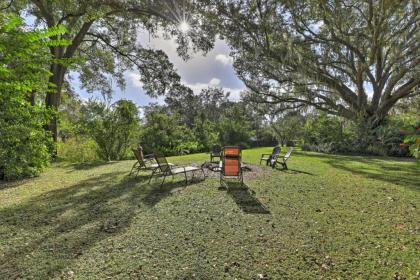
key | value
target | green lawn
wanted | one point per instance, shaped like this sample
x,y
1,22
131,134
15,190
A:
x,y
330,217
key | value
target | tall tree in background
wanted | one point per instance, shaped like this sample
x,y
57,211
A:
x,y
104,37
355,59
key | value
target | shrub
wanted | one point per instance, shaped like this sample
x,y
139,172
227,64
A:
x,y
24,144
114,128
234,128
163,133
78,149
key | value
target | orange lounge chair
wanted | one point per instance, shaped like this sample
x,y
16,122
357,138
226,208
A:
x,y
231,164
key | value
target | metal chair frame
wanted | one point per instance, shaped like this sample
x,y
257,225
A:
x,y
284,159
216,152
271,158
166,169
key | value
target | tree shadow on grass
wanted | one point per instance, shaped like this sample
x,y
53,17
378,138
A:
x,y
294,171
379,168
42,236
158,192
89,165
245,198
4,185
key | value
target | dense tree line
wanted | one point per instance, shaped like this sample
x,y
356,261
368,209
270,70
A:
x,y
183,124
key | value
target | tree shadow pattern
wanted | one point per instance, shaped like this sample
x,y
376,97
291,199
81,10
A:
x,y
90,165
378,168
58,226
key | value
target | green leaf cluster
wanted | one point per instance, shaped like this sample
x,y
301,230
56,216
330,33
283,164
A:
x,y
24,59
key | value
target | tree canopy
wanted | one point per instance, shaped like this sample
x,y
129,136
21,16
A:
x,y
104,39
355,59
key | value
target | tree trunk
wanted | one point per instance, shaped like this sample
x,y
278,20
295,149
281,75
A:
x,y
366,130
52,99
32,98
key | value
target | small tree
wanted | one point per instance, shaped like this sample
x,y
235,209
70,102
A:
x,y
113,128
234,127
164,133
288,128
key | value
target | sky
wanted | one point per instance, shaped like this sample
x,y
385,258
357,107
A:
x,y
200,71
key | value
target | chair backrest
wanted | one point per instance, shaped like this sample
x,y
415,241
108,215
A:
x,y
162,163
289,152
231,151
231,166
216,149
231,161
276,152
139,156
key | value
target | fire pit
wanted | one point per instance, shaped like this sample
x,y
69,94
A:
x,y
215,166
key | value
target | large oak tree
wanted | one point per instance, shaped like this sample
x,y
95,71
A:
x,y
351,58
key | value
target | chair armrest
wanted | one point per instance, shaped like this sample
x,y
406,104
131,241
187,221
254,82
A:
x,y
265,155
172,166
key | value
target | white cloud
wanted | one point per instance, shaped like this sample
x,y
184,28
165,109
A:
x,y
224,59
135,79
196,87
215,82
235,93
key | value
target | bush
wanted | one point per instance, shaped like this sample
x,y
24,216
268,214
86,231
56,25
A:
x,y
114,128
25,147
234,128
328,134
163,133
78,149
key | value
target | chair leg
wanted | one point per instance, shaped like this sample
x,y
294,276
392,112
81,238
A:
x,y
151,176
132,168
186,179
163,181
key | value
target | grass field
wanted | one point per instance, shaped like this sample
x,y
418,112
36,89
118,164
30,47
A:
x,y
327,217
